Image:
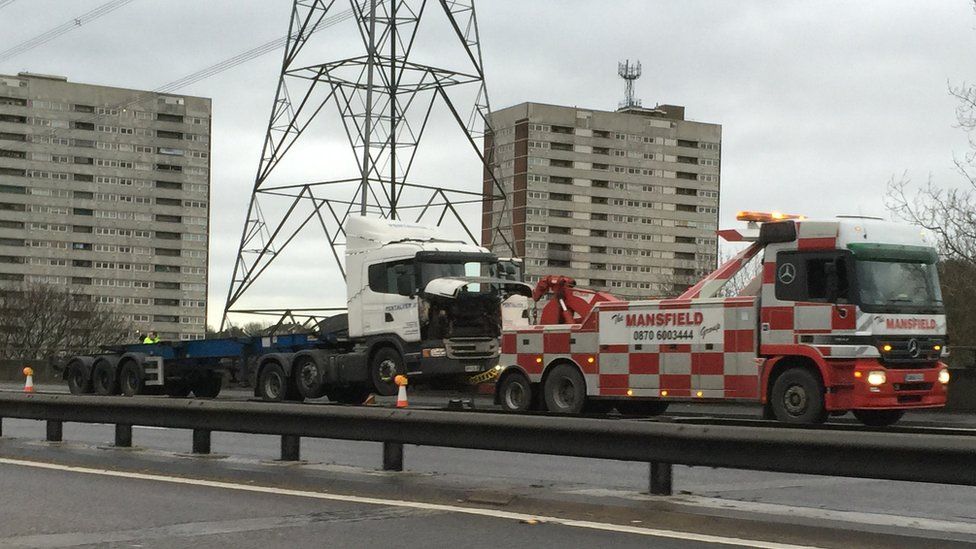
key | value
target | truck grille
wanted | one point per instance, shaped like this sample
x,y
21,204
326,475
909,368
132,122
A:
x,y
471,347
910,352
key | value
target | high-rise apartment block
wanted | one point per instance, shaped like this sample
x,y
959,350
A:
x,y
106,191
623,201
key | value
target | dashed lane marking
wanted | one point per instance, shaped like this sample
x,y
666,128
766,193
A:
x,y
491,513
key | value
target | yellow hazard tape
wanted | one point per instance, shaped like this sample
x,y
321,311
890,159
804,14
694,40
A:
x,y
484,377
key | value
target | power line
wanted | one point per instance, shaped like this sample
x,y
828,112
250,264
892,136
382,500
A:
x,y
5,3
224,65
64,28
248,55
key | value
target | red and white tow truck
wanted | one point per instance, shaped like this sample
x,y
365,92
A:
x,y
845,315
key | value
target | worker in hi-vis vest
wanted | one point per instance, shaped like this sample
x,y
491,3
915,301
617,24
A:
x,y
151,338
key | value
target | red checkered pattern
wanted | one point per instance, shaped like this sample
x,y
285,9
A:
x,y
720,370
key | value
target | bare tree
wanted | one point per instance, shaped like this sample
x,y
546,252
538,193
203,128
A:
x,y
950,212
41,322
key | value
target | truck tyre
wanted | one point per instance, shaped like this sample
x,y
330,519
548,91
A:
x,y
515,393
79,383
273,383
641,407
309,377
878,418
565,390
383,368
177,387
798,397
131,381
104,379
208,385
355,394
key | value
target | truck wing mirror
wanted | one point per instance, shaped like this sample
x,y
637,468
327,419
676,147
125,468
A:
x,y
404,284
833,281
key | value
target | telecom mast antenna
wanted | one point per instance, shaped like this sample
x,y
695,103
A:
x,y
388,83
629,72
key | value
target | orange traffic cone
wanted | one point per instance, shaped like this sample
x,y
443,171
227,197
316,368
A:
x,y
29,384
401,382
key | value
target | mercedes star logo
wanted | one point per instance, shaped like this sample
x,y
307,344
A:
x,y
913,348
787,273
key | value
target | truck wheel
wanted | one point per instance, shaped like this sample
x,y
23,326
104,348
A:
x,y
878,418
798,397
131,382
641,407
78,382
272,383
208,386
104,379
356,394
515,393
565,390
383,368
177,388
308,377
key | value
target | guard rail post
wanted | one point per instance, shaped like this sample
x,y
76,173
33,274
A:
x,y
123,435
201,441
291,448
55,430
661,479
392,456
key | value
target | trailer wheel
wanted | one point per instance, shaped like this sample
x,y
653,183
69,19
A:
x,y
177,388
798,397
515,392
385,365
208,385
308,377
131,381
104,379
78,382
272,383
355,394
565,390
878,418
641,407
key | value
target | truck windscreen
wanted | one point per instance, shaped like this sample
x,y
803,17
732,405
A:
x,y
893,286
431,270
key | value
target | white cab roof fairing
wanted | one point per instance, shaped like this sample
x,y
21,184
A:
x,y
876,231
364,233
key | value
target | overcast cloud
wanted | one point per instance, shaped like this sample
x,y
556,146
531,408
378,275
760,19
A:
x,y
821,103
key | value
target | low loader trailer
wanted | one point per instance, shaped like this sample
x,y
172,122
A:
x,y
844,315
418,304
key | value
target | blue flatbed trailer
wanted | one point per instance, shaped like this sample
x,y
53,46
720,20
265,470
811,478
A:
x,y
273,365
230,347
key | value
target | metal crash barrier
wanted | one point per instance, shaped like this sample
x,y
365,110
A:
x,y
926,457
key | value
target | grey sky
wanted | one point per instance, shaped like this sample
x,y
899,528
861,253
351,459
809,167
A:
x,y
820,102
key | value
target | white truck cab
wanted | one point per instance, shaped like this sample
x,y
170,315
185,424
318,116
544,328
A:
x,y
427,294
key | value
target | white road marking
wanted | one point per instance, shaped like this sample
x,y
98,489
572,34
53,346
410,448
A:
x,y
491,513
854,517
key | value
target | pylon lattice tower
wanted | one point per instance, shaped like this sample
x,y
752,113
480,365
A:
x,y
385,99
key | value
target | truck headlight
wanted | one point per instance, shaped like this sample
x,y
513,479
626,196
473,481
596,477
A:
x,y
876,378
943,376
435,352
